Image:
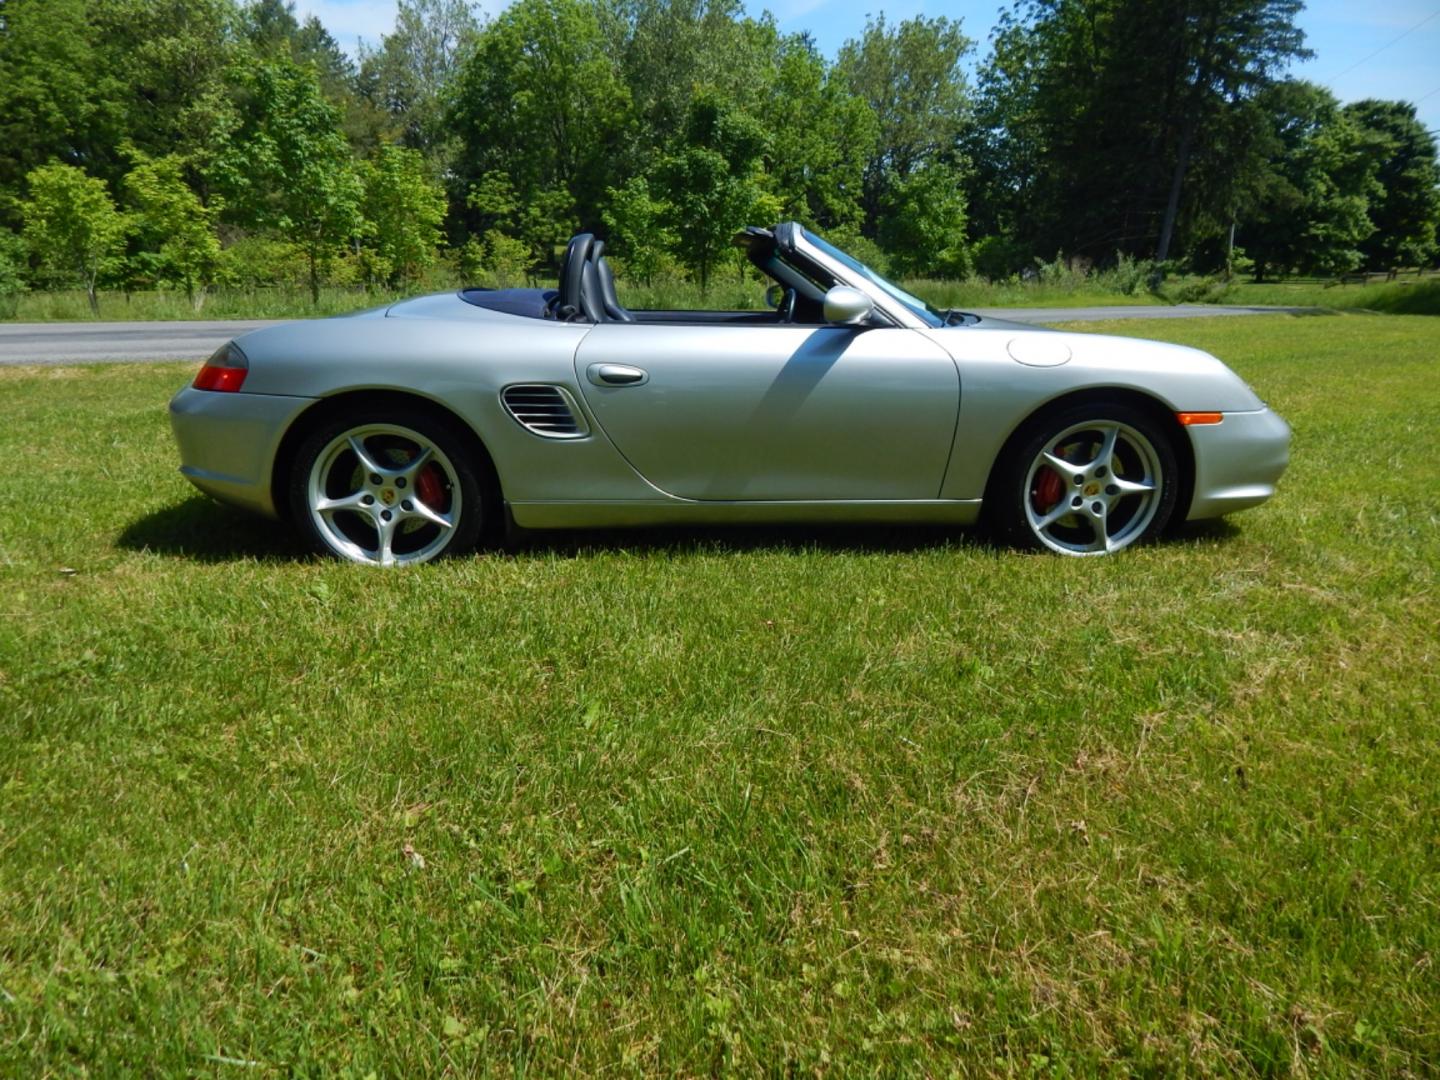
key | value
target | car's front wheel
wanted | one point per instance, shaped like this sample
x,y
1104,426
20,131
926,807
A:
x,y
1088,480
387,488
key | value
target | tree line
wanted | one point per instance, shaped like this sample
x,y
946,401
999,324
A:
x,y
187,143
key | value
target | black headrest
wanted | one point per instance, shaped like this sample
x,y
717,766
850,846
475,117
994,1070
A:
x,y
572,277
608,295
592,303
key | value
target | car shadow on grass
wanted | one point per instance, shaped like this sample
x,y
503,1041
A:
x,y
1200,532
857,539
202,530
739,539
205,531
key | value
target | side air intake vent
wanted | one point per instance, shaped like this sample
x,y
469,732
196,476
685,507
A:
x,y
545,410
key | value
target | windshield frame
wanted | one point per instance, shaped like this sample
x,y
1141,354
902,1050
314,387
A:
x,y
892,295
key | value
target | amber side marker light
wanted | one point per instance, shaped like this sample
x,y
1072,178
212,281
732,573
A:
x,y
1189,419
225,371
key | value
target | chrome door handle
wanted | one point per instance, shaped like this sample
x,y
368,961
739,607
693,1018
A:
x,y
616,375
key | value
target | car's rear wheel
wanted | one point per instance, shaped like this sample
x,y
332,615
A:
x,y
1088,480
387,488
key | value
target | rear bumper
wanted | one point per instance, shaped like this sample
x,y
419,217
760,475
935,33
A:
x,y
1237,462
228,442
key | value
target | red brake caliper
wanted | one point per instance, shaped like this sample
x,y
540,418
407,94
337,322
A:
x,y
429,485
1049,486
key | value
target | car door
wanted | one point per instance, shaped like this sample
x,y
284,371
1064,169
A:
x,y
736,412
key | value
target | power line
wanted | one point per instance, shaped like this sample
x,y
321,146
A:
x,y
1377,52
1431,94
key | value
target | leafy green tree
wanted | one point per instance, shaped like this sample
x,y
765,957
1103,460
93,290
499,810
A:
x,y
1227,49
494,199
178,60
712,183
59,99
72,225
923,229
666,49
507,259
1312,211
541,222
290,166
403,210
85,83
272,32
541,101
1116,125
910,76
1406,209
409,75
269,26
12,266
823,135
637,229
172,223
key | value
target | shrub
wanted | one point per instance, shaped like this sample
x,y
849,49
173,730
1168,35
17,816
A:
x,y
257,261
1060,272
12,263
998,258
1128,276
1205,290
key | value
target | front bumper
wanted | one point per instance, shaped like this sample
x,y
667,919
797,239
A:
x,y
228,442
1237,462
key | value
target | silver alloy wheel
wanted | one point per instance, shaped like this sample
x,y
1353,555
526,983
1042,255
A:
x,y
384,495
1109,486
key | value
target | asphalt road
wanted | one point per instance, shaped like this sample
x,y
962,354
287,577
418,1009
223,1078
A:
x,y
81,342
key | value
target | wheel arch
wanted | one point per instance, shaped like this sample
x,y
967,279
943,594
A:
x,y
1161,413
328,408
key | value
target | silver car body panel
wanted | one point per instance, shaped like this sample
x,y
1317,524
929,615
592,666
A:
x,y
756,413
744,423
228,442
1237,462
999,393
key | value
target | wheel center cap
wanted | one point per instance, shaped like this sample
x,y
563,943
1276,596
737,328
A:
x,y
1090,489
387,496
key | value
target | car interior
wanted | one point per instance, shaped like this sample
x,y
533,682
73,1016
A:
x,y
587,290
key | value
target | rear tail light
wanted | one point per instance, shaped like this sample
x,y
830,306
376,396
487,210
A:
x,y
226,370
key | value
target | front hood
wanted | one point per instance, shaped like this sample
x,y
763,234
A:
x,y
972,320
1051,362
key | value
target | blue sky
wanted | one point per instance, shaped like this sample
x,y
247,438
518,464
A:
x,y
1352,39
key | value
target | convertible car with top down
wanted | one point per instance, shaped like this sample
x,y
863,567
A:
x,y
417,430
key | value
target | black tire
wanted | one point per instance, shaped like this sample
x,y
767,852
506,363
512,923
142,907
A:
x,y
461,489
1019,494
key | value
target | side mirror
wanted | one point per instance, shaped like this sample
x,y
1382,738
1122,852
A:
x,y
773,295
847,306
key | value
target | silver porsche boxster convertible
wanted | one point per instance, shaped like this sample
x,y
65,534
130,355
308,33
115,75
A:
x,y
417,430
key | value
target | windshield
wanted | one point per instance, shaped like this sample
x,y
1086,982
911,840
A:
x,y
914,303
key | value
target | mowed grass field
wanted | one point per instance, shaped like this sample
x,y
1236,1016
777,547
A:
x,y
840,803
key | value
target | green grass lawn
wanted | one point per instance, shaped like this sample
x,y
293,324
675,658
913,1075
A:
x,y
1406,296
838,802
